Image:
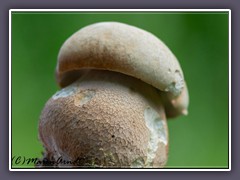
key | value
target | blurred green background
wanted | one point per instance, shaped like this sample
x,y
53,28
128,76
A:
x,y
199,41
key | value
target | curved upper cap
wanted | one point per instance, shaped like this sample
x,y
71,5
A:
x,y
129,50
122,48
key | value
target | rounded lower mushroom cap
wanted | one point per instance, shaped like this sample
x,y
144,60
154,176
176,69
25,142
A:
x,y
106,119
121,48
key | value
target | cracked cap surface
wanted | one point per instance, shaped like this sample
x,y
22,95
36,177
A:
x,y
107,120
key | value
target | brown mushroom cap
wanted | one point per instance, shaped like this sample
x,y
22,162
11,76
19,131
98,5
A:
x,y
106,119
122,48
126,49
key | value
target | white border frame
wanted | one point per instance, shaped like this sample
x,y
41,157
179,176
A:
x,y
123,11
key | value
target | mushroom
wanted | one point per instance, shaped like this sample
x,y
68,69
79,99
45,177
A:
x,y
119,85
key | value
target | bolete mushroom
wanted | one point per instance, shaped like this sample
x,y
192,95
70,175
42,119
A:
x,y
119,85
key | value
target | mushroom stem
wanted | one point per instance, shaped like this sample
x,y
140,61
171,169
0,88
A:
x,y
105,119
